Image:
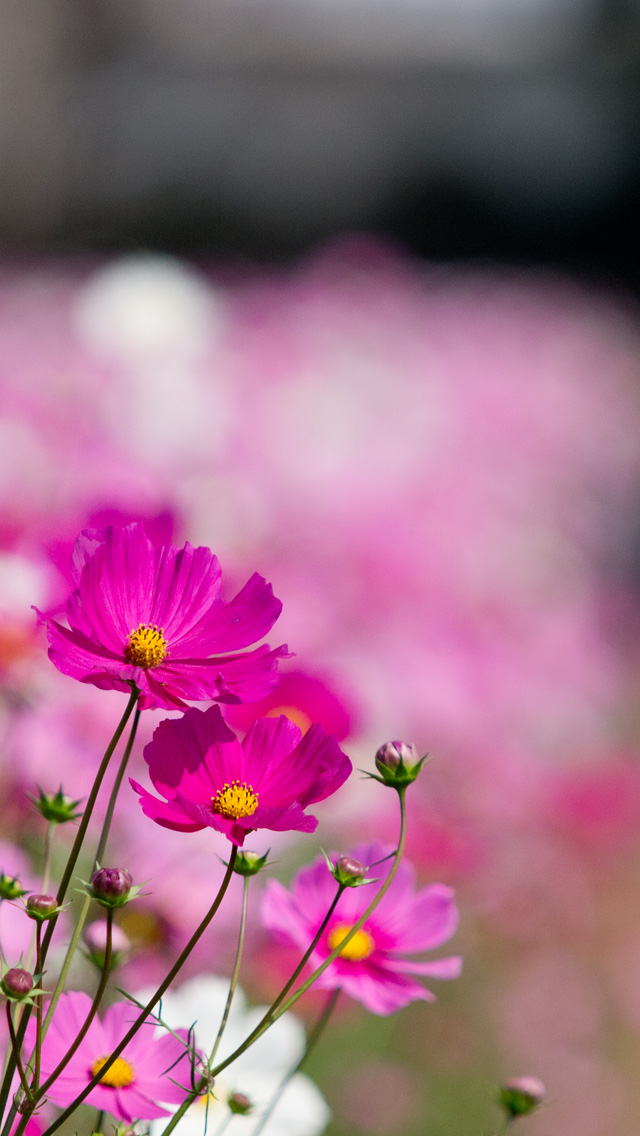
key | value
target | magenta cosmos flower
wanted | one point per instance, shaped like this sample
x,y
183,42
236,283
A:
x,y
210,779
372,968
153,617
153,1066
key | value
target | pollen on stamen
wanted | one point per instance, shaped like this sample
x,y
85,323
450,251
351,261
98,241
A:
x,y
117,1076
146,647
235,800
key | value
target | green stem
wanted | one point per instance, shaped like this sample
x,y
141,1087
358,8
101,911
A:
x,y
164,985
102,985
99,1120
312,1041
38,1050
62,891
82,1033
273,1015
16,1052
102,843
236,970
106,827
205,1080
277,1009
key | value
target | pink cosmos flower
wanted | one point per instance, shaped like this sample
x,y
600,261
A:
x,y
154,616
209,779
153,1067
372,968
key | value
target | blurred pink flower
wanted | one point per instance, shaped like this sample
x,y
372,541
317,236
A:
x,y
301,697
153,617
151,1068
209,779
372,968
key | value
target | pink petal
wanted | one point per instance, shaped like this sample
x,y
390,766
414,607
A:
x,y
166,814
280,915
232,626
438,968
427,919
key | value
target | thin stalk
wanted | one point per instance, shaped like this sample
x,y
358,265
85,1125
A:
x,y
16,1052
99,1120
38,1050
106,827
102,843
164,985
62,890
273,1015
312,1041
102,985
82,1033
236,970
206,1079
47,857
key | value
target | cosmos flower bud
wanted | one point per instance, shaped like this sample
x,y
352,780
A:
x,y
249,863
95,937
398,764
349,871
57,808
111,886
240,1104
41,906
17,983
521,1095
349,866
10,887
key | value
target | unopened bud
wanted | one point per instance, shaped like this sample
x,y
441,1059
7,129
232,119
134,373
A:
x,y
391,754
521,1095
10,887
57,808
111,886
349,866
398,764
41,906
17,982
249,863
239,1104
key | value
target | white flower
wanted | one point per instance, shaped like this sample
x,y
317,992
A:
x,y
257,1074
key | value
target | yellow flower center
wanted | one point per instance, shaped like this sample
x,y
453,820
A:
x,y
146,647
117,1076
235,800
358,948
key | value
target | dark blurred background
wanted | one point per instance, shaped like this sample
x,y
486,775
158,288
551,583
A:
x,y
490,130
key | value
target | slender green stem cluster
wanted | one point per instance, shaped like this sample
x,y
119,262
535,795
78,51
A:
x,y
33,1090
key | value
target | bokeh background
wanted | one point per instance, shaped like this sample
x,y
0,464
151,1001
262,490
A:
x,y
348,292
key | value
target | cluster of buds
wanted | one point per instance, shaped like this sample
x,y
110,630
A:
x,y
398,764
